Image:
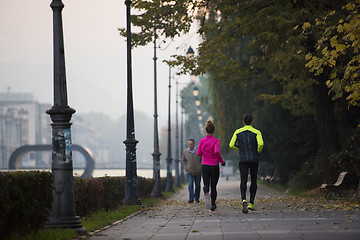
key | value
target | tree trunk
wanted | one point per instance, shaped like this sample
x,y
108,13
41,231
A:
x,y
327,128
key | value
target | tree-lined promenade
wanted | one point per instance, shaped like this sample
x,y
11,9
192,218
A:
x,y
294,65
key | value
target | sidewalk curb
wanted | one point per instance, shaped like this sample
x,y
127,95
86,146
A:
x,y
124,219
110,225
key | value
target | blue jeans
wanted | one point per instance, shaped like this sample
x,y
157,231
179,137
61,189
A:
x,y
194,179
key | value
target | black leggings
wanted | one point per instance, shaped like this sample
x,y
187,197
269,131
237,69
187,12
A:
x,y
244,172
210,177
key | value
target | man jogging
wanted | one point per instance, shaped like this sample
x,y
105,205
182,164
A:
x,y
249,142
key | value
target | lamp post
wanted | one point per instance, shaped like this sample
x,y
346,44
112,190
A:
x,y
196,91
131,188
177,175
156,154
3,111
182,175
169,185
197,101
63,205
190,53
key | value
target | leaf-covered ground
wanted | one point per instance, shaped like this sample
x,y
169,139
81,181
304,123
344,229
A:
x,y
268,200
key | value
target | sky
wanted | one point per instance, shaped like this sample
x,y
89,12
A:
x,y
95,57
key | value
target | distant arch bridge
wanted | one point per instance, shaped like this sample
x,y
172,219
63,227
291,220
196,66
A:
x,y
15,157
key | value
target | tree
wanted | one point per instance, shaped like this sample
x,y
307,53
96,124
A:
x,y
338,50
166,18
252,41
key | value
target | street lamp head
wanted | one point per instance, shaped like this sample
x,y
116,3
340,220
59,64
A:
x,y
193,78
196,91
198,111
190,53
200,118
197,101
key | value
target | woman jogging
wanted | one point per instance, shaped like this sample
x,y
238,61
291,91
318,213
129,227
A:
x,y
209,148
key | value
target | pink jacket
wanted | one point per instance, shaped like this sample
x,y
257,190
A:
x,y
209,147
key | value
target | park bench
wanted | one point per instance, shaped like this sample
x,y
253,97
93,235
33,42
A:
x,y
336,187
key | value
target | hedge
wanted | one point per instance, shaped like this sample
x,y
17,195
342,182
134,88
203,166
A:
x,y
25,201
105,193
26,197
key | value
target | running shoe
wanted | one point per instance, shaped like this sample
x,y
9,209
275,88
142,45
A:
x,y
212,208
251,207
245,206
207,200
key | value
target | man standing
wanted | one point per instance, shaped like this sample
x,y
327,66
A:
x,y
192,165
249,142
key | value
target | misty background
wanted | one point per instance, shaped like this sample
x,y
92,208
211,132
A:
x,y
95,57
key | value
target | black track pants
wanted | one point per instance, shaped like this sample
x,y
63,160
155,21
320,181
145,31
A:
x,y
210,177
244,172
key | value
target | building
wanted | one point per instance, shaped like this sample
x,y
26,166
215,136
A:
x,y
23,121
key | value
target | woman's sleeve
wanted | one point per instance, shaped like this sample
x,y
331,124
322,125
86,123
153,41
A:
x,y
218,156
217,151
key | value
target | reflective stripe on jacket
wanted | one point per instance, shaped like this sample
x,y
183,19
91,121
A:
x,y
249,142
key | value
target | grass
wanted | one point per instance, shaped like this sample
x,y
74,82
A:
x,y
51,234
102,218
95,221
274,185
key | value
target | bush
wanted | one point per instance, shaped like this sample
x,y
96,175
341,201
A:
x,y
145,186
348,159
114,191
308,177
26,198
25,201
89,195
105,193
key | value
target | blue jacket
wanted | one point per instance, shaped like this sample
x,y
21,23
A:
x,y
249,142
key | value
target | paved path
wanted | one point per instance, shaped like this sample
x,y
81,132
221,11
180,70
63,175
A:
x,y
278,217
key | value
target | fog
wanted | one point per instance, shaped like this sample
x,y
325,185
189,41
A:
x,y
95,57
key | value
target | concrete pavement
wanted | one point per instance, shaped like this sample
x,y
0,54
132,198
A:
x,y
277,217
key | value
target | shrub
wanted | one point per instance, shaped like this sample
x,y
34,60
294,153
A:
x,y
308,177
26,197
25,201
114,191
105,193
145,186
89,195
348,159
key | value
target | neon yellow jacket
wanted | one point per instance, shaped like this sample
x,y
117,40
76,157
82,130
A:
x,y
249,142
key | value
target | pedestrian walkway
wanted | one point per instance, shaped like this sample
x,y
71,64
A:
x,y
275,218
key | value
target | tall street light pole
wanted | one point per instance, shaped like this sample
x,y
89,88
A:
x,y
3,111
169,185
177,175
182,175
131,188
156,154
63,205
